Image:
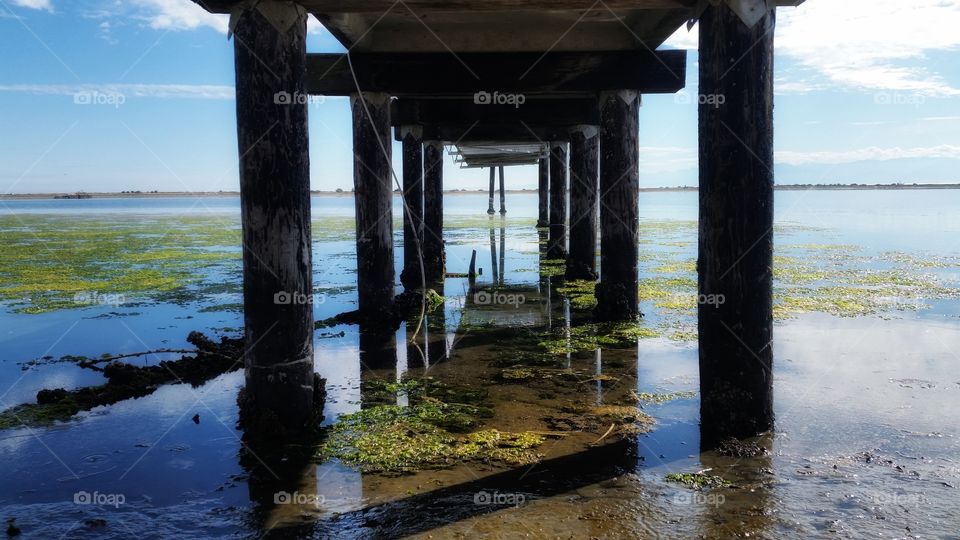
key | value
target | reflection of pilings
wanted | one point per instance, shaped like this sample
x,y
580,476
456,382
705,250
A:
x,y
373,197
413,206
740,513
493,181
433,256
274,473
503,248
736,224
557,246
584,156
543,193
436,332
378,346
503,193
275,213
493,253
619,213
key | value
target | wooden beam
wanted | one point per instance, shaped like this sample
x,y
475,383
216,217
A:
x,y
410,277
736,226
619,212
488,132
421,6
433,251
557,245
275,214
584,157
543,193
373,197
465,111
445,74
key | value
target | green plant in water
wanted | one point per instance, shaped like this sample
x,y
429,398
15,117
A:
x,y
698,480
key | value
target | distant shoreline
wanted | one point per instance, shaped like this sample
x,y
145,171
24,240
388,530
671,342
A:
x,y
155,194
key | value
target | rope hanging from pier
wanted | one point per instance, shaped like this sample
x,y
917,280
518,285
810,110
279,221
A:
x,y
281,14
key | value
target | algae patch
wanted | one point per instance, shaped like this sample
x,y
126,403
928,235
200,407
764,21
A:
x,y
698,480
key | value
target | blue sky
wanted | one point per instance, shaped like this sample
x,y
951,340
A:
x,y
868,91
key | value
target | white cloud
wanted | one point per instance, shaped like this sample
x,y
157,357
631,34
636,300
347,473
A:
x,y
34,4
865,44
175,91
662,159
871,153
187,15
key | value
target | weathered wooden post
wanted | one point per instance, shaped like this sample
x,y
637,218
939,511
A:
x,y
557,245
275,213
373,195
736,223
584,157
493,182
619,213
503,193
413,206
543,193
433,255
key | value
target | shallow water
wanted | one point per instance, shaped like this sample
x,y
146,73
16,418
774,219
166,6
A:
x,y
865,443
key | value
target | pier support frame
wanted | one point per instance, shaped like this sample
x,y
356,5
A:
x,y
543,193
736,224
584,157
557,244
411,277
619,214
373,196
275,213
433,251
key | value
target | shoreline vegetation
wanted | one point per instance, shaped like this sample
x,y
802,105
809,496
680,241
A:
x,y
344,193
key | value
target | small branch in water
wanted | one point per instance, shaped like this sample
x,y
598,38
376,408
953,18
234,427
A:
x,y
92,362
604,436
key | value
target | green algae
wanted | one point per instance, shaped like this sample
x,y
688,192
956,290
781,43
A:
x,y
660,398
580,292
593,336
698,480
553,267
393,439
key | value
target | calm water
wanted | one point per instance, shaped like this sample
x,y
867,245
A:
x,y
865,444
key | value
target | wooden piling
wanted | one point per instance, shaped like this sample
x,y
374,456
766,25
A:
x,y
493,184
413,206
503,193
584,158
275,216
736,224
373,196
557,244
619,213
543,193
433,251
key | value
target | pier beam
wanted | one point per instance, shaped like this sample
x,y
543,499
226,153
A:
x,y
373,196
493,186
736,224
433,255
557,244
411,277
503,193
275,214
584,158
619,214
543,193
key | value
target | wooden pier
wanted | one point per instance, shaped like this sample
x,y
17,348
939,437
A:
x,y
552,83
